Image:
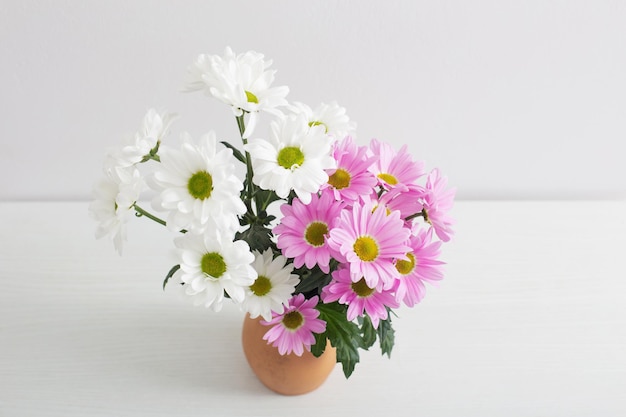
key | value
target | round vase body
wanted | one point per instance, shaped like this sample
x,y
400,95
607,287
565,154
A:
x,y
284,374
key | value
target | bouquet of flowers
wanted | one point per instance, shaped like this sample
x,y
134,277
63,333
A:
x,y
358,230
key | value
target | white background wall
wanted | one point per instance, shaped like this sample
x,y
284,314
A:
x,y
523,99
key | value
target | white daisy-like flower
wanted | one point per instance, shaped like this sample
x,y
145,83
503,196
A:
x,y
212,264
332,116
295,157
137,147
198,186
242,81
273,287
114,198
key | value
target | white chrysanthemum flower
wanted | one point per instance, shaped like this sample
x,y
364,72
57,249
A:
x,y
295,157
114,198
136,148
332,116
242,81
273,287
213,264
198,186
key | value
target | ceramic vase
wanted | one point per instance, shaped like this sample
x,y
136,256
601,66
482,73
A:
x,y
284,374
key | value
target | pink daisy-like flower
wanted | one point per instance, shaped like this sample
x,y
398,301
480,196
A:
x,y
292,331
405,199
351,179
359,297
422,266
303,230
438,202
370,241
393,167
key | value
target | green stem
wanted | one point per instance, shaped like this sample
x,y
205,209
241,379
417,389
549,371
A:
x,y
142,212
242,128
241,124
419,214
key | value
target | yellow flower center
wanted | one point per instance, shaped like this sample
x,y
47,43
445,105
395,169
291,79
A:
x,y
361,289
315,232
251,97
340,179
213,264
388,178
261,286
366,248
290,157
200,185
387,210
293,320
318,123
406,267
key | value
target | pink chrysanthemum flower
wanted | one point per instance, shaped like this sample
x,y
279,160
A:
x,y
393,167
352,178
292,331
422,266
303,230
438,202
370,240
405,199
359,297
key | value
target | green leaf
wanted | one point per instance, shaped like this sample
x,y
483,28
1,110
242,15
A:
x,y
320,344
236,152
344,335
258,237
386,336
368,332
170,274
268,219
312,280
264,198
264,219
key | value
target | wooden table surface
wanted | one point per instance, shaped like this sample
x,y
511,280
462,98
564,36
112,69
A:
x,y
529,321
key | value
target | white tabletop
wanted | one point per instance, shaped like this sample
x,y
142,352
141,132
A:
x,y
529,321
